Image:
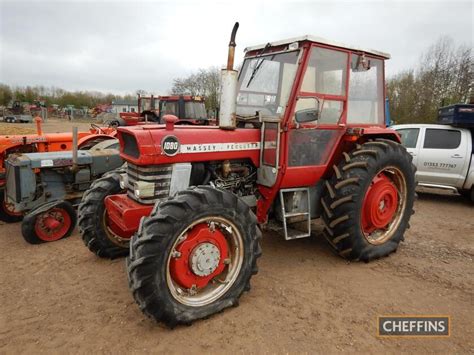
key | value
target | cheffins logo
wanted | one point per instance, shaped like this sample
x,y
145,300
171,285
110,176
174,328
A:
x,y
170,145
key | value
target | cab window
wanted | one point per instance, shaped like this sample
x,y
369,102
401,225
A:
x,y
442,139
366,88
326,72
170,108
409,136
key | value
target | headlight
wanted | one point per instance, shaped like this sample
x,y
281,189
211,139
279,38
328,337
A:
x,y
123,180
143,189
137,193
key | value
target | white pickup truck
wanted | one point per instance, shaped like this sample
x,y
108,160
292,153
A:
x,y
442,154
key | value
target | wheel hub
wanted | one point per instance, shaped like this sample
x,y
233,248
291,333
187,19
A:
x,y
380,204
52,225
205,259
199,257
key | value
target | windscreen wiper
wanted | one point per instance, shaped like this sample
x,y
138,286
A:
x,y
259,64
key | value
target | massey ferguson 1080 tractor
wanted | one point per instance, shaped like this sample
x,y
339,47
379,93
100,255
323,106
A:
x,y
313,144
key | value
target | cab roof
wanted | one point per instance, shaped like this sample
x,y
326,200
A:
x,y
320,40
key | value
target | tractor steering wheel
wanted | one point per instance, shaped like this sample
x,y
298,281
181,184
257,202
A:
x,y
97,128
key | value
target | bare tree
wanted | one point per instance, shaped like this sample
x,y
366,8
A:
x,y
444,76
205,82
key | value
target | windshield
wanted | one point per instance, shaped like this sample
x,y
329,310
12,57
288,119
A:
x,y
169,108
265,83
195,110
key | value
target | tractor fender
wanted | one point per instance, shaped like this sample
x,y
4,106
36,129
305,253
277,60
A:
x,y
94,137
45,207
360,135
376,132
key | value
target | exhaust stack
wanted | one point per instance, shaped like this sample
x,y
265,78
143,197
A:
x,y
227,119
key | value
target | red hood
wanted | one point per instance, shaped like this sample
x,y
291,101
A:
x,y
196,143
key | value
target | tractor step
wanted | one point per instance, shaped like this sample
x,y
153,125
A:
x,y
295,208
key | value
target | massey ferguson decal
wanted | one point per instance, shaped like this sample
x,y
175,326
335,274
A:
x,y
170,145
219,147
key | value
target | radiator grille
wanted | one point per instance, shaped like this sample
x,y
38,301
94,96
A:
x,y
159,175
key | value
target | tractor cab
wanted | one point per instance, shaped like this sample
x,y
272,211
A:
x,y
188,108
313,80
308,94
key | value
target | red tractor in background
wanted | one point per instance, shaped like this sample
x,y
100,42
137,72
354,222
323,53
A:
x,y
313,143
189,110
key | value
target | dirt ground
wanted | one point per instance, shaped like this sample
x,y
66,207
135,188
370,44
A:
x,y
51,126
60,298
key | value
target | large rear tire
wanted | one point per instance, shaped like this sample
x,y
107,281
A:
x,y
92,218
368,202
193,256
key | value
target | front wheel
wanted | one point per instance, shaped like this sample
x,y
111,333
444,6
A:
x,y
193,256
7,212
368,202
93,226
49,225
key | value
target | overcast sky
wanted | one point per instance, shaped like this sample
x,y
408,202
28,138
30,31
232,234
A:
x,y
122,46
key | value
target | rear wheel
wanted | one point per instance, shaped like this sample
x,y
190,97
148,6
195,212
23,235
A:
x,y
368,201
50,225
93,226
469,194
193,256
7,213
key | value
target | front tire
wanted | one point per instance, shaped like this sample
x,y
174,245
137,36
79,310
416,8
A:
x,y
6,213
193,256
368,202
49,226
92,220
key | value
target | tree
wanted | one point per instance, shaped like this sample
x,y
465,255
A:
x,y
443,77
205,82
6,95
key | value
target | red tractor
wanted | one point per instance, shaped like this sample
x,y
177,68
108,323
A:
x,y
189,109
313,143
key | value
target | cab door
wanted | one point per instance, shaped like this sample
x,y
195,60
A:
x,y
411,139
443,156
317,122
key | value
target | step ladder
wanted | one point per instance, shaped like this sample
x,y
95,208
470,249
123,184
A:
x,y
300,206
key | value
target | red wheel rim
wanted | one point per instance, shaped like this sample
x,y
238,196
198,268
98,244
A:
x,y
380,204
200,257
7,207
52,225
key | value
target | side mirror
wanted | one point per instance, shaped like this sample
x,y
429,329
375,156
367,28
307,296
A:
x,y
362,64
307,115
